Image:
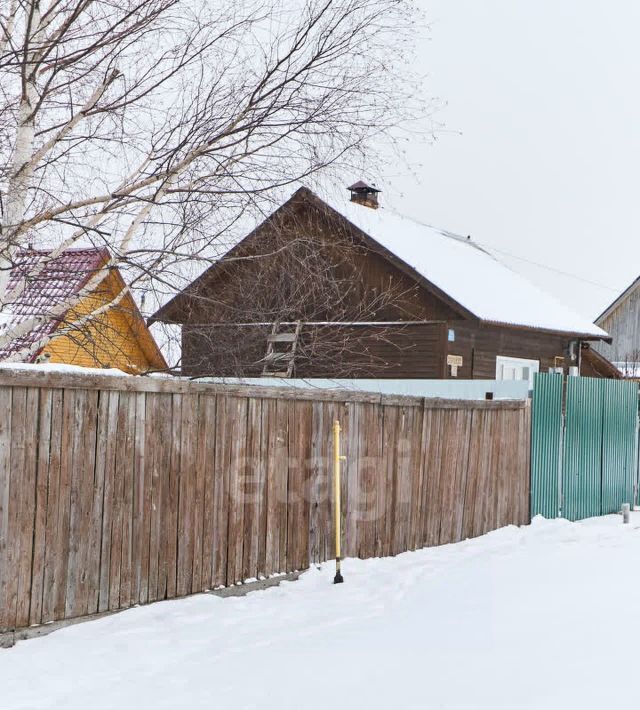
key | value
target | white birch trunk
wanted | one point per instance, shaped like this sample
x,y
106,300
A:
x,y
20,169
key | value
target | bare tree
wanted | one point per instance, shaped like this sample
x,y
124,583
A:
x,y
301,273
629,364
153,126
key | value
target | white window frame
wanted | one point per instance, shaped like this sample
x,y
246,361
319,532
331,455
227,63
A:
x,y
516,366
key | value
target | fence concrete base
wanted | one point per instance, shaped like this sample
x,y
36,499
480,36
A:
x,y
9,639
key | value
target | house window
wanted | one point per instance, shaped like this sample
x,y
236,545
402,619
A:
x,y
515,368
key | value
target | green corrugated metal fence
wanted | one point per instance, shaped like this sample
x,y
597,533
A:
x,y
619,444
582,449
546,445
584,446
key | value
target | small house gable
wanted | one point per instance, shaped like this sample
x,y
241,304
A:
x,y
115,337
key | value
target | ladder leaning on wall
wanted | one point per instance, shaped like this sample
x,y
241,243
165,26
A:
x,y
282,344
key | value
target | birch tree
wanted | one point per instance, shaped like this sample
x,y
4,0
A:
x,y
152,126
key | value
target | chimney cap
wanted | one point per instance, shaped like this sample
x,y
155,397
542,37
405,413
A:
x,y
361,186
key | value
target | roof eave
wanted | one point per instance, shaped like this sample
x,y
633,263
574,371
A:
x,y
573,335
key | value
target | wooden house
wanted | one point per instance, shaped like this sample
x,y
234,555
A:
x,y
622,320
116,337
351,289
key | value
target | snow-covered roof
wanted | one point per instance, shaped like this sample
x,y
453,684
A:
x,y
467,273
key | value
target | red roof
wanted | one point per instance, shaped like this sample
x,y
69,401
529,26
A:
x,y
60,279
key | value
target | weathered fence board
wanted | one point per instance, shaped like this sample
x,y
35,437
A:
x,y
121,491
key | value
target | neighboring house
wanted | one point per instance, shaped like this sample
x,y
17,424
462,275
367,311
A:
x,y
355,290
622,320
117,337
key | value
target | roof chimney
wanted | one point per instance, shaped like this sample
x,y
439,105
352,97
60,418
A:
x,y
364,194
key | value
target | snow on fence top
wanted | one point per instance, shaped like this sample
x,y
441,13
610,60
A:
x,y
467,273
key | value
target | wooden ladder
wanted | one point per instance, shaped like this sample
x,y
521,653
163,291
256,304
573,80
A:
x,y
282,344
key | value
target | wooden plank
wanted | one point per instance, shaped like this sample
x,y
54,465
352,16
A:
x,y
53,499
198,585
270,442
42,491
299,443
456,458
221,490
210,419
523,488
140,533
118,502
128,454
186,495
305,436
349,478
434,471
265,433
331,413
85,462
95,530
282,481
294,489
64,503
477,470
504,445
416,468
427,423
500,445
447,475
253,489
513,498
6,571
477,475
110,453
16,495
236,491
159,528
473,486
28,508
155,413
318,490
387,493
362,490
402,503
174,496
75,504
370,478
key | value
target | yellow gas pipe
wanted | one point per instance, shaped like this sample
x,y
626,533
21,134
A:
x,y
337,458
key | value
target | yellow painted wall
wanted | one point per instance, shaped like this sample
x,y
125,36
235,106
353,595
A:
x,y
117,338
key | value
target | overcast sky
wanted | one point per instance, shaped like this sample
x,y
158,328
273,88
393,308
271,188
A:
x,y
540,152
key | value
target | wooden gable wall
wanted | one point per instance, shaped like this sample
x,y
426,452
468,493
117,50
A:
x,y
623,324
265,277
115,338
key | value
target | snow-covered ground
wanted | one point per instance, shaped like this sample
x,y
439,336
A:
x,y
546,616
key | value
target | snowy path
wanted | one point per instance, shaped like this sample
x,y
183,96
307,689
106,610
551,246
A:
x,y
541,617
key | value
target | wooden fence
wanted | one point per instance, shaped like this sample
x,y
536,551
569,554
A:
x,y
116,491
